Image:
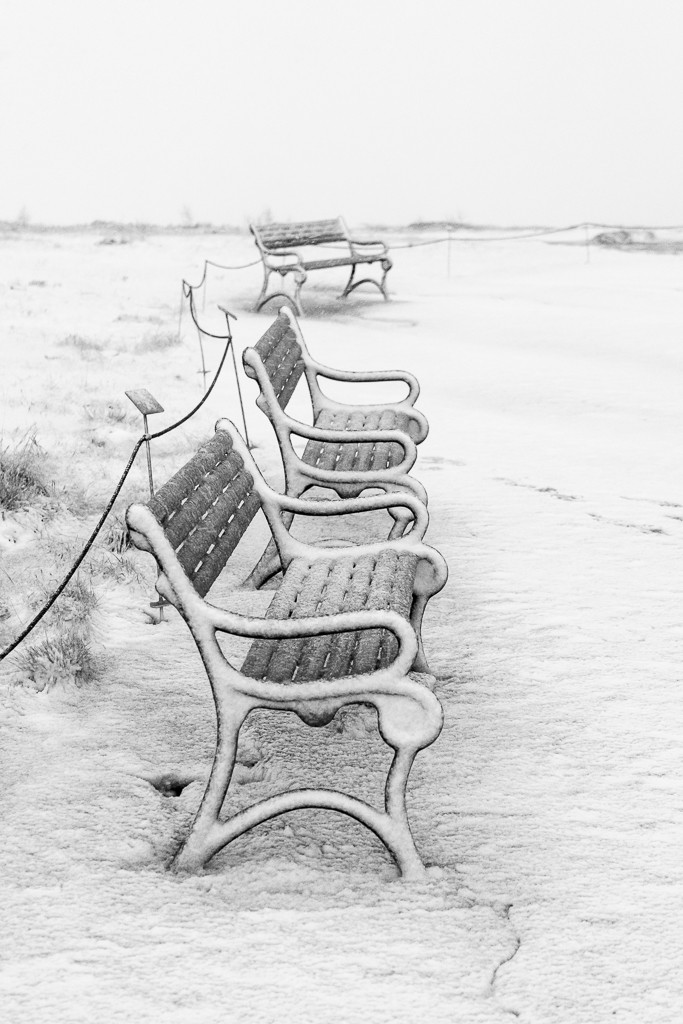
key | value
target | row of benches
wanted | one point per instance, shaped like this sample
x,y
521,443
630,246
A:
x,y
344,627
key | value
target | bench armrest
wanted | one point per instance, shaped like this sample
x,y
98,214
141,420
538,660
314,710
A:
x,y
270,257
350,506
396,436
367,376
369,242
314,625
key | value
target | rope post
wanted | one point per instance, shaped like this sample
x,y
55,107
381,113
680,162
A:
x,y
147,405
180,308
204,372
228,316
588,251
448,259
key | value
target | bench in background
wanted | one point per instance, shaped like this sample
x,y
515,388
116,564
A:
x,y
285,249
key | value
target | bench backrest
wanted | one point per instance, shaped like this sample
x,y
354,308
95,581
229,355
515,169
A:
x,y
312,232
281,355
206,508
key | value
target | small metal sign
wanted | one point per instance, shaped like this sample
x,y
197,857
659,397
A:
x,y
145,402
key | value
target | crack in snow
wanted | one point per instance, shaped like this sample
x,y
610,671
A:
x,y
504,912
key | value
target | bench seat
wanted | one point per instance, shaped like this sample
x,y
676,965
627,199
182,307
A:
x,y
321,587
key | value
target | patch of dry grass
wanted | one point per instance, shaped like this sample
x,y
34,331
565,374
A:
x,y
23,479
63,658
115,536
84,346
159,342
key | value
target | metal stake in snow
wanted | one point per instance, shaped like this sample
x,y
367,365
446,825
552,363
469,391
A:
x,y
147,404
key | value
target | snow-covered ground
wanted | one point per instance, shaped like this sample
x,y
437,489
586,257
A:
x,y
550,809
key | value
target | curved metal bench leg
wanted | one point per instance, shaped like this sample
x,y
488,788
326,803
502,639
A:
x,y
416,615
264,290
300,280
192,853
386,267
364,280
406,736
349,286
403,847
294,300
393,832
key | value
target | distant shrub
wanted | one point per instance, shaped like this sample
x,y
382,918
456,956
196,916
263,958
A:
x,y
22,474
81,344
158,342
64,658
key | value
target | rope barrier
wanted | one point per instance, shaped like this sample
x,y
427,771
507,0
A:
x,y
188,292
117,490
222,266
542,232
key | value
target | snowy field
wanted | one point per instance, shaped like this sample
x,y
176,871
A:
x,y
550,808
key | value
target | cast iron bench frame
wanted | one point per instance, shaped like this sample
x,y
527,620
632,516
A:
x,y
350,447
281,245
191,526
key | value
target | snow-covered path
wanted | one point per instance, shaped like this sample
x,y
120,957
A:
x,y
552,805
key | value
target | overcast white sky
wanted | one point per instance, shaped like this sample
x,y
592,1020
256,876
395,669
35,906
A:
x,y
492,111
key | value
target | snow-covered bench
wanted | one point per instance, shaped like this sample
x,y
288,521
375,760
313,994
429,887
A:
x,y
349,447
344,628
284,250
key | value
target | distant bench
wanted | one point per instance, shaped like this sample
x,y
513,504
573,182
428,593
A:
x,y
280,247
344,628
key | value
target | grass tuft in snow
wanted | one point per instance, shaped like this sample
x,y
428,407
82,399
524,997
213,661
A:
x,y
115,536
62,659
158,342
75,604
22,474
84,346
120,568
65,655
